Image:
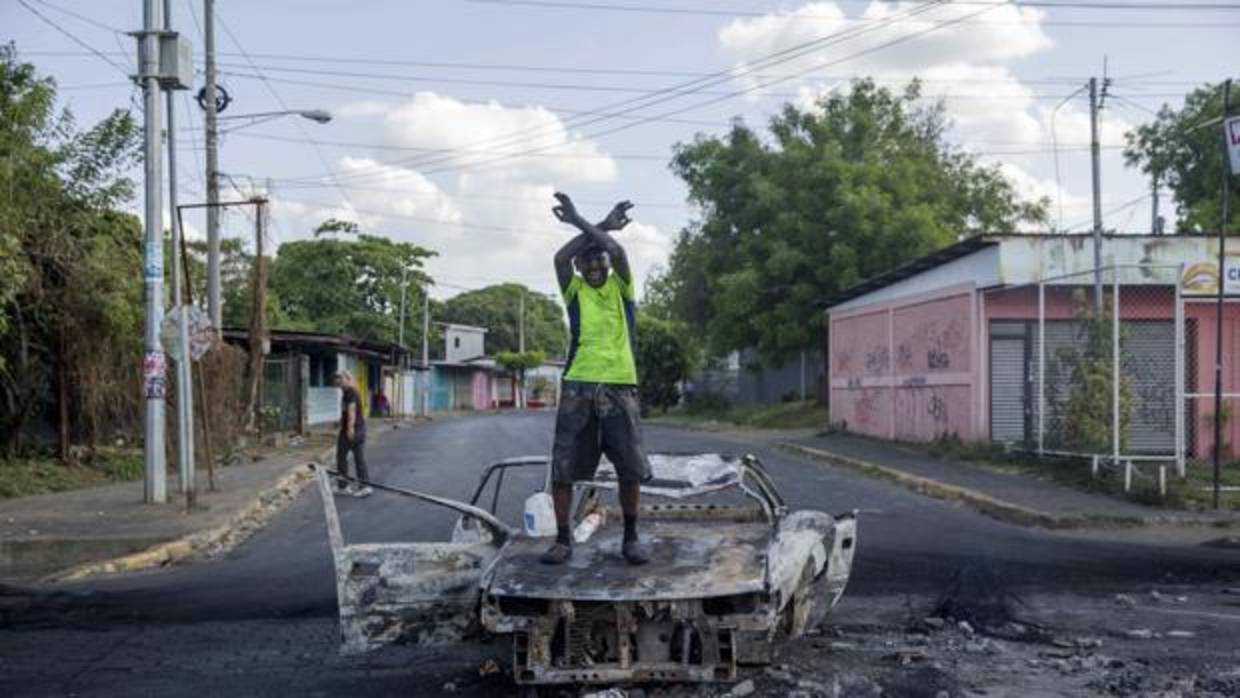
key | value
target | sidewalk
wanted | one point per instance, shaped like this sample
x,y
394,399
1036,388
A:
x,y
103,530
1011,497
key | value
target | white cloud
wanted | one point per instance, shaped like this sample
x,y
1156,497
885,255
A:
x,y
515,142
488,224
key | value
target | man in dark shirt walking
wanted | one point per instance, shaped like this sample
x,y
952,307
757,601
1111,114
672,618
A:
x,y
352,437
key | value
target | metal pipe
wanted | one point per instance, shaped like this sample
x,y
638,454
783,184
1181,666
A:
x,y
154,368
185,386
1116,373
1041,366
1218,312
1180,402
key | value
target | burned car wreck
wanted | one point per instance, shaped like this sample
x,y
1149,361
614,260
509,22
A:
x,y
732,574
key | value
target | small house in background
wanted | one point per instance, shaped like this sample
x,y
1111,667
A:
x,y
463,379
298,391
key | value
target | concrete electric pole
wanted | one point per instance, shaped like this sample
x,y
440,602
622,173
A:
x,y
154,363
214,306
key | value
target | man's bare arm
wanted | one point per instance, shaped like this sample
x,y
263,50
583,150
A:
x,y
350,420
564,258
598,234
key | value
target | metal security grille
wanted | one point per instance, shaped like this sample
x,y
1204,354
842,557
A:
x,y
1009,397
1092,365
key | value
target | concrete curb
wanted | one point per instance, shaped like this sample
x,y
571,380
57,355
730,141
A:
x,y
252,516
998,508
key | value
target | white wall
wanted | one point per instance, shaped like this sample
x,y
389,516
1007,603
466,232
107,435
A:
x,y
322,405
463,343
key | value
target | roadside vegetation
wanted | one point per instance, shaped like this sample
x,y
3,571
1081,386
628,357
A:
x,y
799,414
1195,491
24,477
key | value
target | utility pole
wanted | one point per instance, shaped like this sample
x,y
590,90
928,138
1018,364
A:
x,y
400,337
258,314
426,355
1155,227
154,364
1222,283
185,386
214,306
1095,105
521,348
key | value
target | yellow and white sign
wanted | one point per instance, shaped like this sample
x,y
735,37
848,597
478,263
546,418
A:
x,y
1201,278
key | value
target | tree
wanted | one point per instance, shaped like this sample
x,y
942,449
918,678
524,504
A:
x,y
517,364
497,308
349,286
70,268
1184,150
663,360
854,187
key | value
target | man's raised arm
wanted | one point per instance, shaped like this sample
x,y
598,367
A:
x,y
592,234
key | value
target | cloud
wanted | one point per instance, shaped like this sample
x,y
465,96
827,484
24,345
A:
x,y
489,224
512,142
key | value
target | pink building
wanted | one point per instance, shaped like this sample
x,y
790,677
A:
x,y
951,343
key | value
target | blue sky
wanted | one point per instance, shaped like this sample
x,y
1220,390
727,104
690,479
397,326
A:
x,y
465,76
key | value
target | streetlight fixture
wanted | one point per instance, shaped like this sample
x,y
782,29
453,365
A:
x,y
319,116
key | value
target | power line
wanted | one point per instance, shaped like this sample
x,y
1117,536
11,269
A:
x,y
83,18
72,37
878,47
1064,4
645,90
656,97
280,100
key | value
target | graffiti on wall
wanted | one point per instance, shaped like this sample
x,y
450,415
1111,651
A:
x,y
927,412
932,336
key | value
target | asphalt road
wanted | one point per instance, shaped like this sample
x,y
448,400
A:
x,y
279,584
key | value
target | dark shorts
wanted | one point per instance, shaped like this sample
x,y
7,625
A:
x,y
596,419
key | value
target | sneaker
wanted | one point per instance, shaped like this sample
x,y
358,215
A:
x,y
342,487
363,491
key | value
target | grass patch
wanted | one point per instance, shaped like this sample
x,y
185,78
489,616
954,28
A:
x,y
1192,492
786,415
23,477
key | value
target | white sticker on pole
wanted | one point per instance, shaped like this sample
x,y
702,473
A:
x,y
1233,142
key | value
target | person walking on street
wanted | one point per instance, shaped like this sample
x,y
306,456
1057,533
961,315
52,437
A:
x,y
352,437
599,412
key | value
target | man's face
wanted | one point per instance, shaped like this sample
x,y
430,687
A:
x,y
338,380
594,266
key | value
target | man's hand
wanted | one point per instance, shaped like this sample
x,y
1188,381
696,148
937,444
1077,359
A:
x,y
618,217
566,212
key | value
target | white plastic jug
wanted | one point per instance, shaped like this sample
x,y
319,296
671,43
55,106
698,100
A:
x,y
539,515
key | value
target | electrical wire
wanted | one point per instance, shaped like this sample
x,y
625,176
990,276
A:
x,y
631,105
280,100
1064,4
898,40
74,38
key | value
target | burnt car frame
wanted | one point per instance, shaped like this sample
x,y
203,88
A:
x,y
733,573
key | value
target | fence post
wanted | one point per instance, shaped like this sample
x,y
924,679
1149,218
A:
x,y
1115,369
1181,404
1041,365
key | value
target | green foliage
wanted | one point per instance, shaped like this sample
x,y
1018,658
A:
x,y
836,194
1186,150
71,268
1088,413
662,361
514,362
350,287
497,308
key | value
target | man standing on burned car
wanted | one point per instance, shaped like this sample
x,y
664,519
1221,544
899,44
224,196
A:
x,y
598,412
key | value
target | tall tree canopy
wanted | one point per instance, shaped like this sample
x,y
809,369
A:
x,y
497,308
70,264
856,186
347,282
1184,148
